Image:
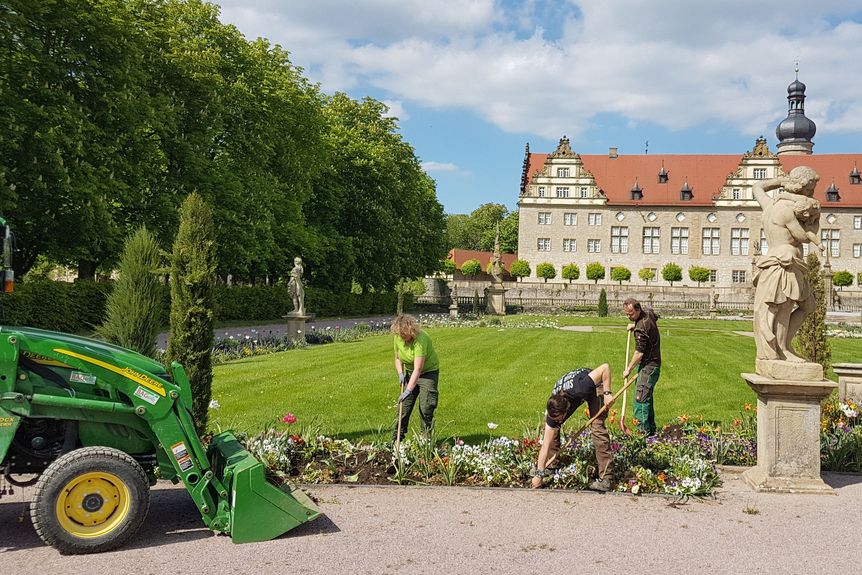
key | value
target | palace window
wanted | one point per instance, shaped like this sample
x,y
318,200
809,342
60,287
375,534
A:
x,y
713,276
619,240
562,192
737,276
759,173
543,244
562,172
544,218
739,241
594,246
679,241
594,219
651,240
857,222
570,219
541,191
737,193
830,241
584,192
711,241
857,250
569,244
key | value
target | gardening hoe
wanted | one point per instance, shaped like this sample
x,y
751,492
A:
x,y
400,413
593,418
625,393
631,380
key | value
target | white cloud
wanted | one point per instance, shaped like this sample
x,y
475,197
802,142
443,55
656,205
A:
x,y
676,63
439,167
396,110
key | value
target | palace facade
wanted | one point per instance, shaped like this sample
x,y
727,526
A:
x,y
645,211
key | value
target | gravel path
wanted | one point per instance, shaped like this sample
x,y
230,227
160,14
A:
x,y
380,530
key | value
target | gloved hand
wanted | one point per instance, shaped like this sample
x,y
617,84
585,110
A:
x,y
402,377
404,395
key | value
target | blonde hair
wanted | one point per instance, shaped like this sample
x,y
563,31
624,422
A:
x,y
405,326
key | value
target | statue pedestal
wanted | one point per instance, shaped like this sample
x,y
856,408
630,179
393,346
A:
x,y
788,435
296,325
849,382
495,300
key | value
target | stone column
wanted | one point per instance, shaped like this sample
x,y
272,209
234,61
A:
x,y
849,382
296,325
788,435
495,300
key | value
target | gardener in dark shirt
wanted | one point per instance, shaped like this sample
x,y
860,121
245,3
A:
x,y
647,358
570,391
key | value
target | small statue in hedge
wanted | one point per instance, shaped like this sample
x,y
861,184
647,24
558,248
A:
x,y
295,287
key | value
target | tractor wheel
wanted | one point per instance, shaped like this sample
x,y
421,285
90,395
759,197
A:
x,y
90,500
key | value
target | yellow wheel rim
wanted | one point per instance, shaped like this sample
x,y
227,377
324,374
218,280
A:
x,y
93,504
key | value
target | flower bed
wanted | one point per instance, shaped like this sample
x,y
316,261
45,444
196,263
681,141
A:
x,y
680,460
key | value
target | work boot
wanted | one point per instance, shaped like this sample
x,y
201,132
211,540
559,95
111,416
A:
x,y
603,485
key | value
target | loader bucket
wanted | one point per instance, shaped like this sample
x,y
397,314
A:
x,y
259,510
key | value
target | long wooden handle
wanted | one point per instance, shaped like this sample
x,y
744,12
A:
x,y
400,413
631,380
625,395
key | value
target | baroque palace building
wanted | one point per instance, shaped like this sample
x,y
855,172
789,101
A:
x,y
646,211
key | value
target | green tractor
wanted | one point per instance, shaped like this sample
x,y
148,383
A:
x,y
94,425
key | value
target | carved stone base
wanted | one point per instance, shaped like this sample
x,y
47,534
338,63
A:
x,y
495,300
849,382
296,325
795,371
759,480
788,435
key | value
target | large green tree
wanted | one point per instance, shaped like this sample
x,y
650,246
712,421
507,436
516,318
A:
x,y
376,211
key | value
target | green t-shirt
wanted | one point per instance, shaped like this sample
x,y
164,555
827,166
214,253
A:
x,y
421,346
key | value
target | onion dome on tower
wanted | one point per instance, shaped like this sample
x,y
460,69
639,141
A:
x,y
796,130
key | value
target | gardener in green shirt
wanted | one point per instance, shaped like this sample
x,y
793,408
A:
x,y
417,365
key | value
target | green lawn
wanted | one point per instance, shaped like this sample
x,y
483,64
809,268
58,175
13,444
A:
x,y
494,374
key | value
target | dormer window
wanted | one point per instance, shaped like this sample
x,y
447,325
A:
x,y
686,194
662,175
832,193
855,176
637,192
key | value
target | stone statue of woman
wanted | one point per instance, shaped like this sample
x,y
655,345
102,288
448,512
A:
x,y
295,287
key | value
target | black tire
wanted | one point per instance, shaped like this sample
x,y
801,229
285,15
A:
x,y
102,480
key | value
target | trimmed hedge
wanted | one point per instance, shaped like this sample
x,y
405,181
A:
x,y
80,306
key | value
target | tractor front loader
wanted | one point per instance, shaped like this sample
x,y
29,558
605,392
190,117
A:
x,y
97,424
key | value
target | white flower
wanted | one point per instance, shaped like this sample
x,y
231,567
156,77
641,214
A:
x,y
214,404
636,488
492,425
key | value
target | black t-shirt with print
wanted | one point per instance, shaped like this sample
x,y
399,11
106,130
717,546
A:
x,y
577,386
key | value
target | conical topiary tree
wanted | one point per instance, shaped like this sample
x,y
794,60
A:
x,y
811,341
193,265
134,309
603,303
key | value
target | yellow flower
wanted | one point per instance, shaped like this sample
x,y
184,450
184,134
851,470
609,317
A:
x,y
747,407
737,422
635,420
683,418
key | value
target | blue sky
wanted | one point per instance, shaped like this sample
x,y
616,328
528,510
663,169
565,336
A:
x,y
472,81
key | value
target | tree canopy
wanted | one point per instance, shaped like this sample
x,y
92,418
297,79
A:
x,y
114,111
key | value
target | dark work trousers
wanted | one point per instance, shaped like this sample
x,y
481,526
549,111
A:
x,y
643,407
601,437
426,392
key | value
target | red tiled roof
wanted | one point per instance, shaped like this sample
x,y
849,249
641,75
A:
x,y
706,175
461,256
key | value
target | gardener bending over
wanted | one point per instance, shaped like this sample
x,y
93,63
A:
x,y
417,366
570,391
